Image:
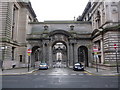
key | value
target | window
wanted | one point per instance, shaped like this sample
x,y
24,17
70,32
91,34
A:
x,y
20,58
14,20
13,49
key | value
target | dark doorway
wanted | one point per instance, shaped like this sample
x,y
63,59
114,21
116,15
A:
x,y
83,55
36,55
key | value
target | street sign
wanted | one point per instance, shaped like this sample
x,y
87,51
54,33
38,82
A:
x,y
95,49
29,54
95,53
29,51
115,46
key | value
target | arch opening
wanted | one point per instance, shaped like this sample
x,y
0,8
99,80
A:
x,y
36,56
59,54
83,55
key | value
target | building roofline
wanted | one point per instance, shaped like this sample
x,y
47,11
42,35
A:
x,y
61,22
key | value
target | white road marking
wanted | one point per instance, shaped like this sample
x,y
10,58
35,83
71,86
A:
x,y
54,74
42,74
64,74
72,74
80,74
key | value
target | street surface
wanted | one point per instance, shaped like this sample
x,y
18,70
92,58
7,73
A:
x,y
59,78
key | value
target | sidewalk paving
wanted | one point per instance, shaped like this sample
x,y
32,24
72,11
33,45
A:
x,y
103,72
17,71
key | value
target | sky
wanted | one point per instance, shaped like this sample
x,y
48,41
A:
x,y
58,9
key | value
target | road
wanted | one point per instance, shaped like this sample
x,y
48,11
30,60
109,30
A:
x,y
59,78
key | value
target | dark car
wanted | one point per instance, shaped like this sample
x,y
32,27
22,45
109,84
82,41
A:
x,y
43,66
78,66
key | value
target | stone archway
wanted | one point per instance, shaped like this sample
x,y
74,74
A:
x,y
57,37
59,54
36,55
83,55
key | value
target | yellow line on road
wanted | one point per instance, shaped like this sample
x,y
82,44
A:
x,y
98,74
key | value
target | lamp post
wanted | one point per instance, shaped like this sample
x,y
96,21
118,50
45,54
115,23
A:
x,y
115,46
3,53
29,51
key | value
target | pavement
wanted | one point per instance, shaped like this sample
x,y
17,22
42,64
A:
x,y
91,71
17,71
102,72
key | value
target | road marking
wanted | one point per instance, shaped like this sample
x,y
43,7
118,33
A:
x,y
54,74
72,74
42,74
80,74
64,74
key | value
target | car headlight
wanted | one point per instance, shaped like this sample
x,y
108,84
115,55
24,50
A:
x,y
75,67
41,65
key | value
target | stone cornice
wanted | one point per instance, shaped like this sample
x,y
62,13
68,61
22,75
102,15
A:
x,y
29,7
97,32
62,22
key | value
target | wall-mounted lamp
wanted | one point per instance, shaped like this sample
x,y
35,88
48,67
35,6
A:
x,y
72,27
46,27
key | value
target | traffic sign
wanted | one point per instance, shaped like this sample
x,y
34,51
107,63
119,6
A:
x,y
29,54
95,49
95,53
115,46
29,51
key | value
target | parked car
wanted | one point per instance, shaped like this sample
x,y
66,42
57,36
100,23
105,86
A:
x,y
43,66
78,66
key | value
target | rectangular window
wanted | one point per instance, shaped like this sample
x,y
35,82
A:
x,y
14,20
13,49
20,58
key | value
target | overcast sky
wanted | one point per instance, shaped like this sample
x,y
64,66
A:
x,y
58,9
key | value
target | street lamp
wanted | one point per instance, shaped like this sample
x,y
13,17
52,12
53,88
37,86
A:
x,y
3,52
46,27
72,27
115,47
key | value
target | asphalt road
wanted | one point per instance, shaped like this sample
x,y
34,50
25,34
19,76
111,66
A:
x,y
59,78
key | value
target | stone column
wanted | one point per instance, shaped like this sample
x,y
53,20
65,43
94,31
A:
x,y
75,53
119,11
68,56
108,11
50,56
73,50
44,53
71,55
102,51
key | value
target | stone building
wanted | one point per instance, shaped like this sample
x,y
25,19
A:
x,y
105,18
66,42
44,39
14,18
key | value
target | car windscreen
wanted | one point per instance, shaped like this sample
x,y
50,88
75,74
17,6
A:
x,y
43,64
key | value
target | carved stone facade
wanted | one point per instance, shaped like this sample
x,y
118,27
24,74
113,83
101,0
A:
x,y
72,34
105,18
99,25
14,18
